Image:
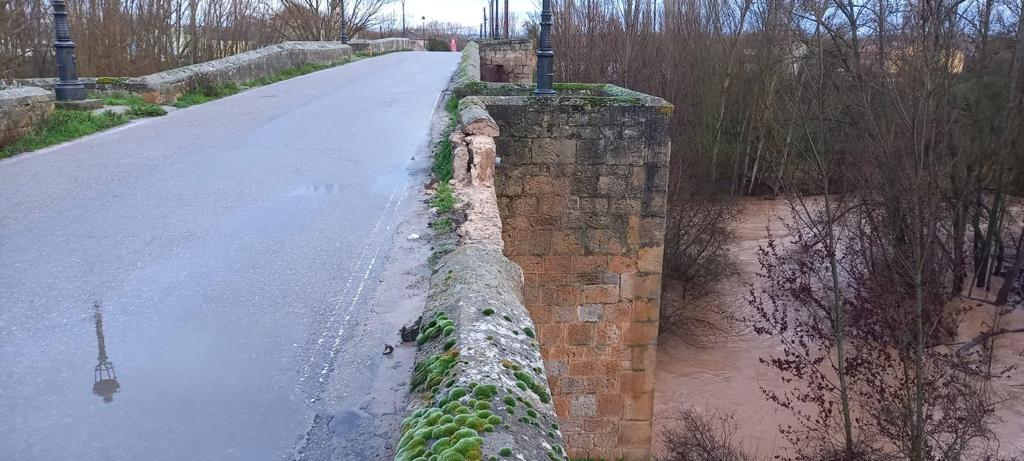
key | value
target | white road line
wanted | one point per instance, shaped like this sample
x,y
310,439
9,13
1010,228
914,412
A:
x,y
336,347
363,253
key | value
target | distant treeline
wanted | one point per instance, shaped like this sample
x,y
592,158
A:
x,y
137,37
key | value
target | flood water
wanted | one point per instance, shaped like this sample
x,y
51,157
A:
x,y
718,369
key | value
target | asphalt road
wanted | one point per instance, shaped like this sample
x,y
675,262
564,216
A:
x,y
241,263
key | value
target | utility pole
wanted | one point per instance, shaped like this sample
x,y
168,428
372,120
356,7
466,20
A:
x,y
494,18
485,31
545,55
403,19
506,21
69,87
344,27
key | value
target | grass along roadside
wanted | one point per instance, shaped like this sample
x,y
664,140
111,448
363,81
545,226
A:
x,y
444,198
206,92
442,166
137,107
64,125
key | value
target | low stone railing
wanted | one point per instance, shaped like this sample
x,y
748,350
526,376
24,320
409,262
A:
x,y
164,87
381,46
20,108
479,367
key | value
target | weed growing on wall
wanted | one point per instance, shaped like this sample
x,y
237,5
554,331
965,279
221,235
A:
x,y
444,199
137,107
442,167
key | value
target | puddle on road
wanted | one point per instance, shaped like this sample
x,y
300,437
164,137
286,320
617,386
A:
x,y
315,190
105,382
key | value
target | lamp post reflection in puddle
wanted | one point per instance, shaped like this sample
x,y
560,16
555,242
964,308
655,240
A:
x,y
104,379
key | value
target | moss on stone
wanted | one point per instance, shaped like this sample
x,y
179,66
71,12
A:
x,y
432,371
485,391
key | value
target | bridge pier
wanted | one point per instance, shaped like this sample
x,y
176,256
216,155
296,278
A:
x,y
581,188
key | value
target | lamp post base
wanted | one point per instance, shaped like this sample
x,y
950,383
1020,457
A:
x,y
69,91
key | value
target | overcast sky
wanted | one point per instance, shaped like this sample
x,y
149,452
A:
x,y
466,12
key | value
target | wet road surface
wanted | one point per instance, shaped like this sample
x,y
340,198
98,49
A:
x,y
218,283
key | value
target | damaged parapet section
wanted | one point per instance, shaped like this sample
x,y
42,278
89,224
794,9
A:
x,y
479,370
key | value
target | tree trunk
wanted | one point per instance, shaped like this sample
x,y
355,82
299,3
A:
x,y
1013,273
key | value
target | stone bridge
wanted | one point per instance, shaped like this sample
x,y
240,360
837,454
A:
x,y
271,239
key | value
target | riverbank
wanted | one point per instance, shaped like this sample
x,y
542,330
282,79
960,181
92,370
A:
x,y
719,371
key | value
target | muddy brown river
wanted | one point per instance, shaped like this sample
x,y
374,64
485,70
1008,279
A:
x,y
720,372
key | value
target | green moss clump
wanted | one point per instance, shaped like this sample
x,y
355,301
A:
x,y
508,401
488,312
457,393
449,344
507,318
505,452
531,413
529,332
110,80
521,385
431,372
485,392
449,330
482,405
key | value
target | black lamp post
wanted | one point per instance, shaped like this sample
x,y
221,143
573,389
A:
x,y
344,27
69,87
545,54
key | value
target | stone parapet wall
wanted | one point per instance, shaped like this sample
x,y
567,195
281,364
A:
x,y
479,369
381,46
468,72
20,109
103,84
512,61
581,187
164,87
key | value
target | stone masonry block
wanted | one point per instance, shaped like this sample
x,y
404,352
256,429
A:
x,y
579,334
460,164
553,151
635,434
482,149
639,407
583,405
640,334
590,312
650,259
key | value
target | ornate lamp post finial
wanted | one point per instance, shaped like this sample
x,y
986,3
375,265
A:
x,y
69,87
545,54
